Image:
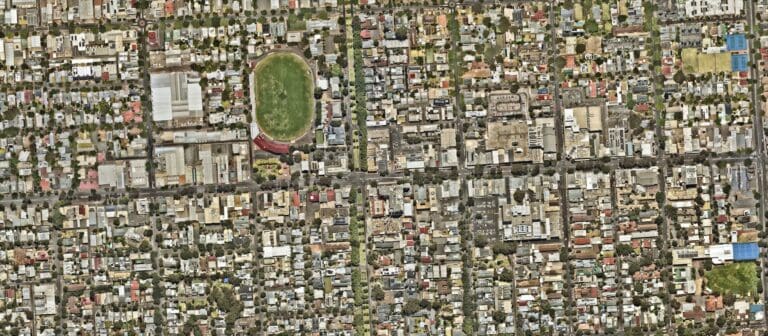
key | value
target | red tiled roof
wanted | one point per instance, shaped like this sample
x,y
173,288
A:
x,y
581,241
169,7
570,61
647,243
643,107
45,184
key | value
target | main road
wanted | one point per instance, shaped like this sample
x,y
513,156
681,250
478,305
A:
x,y
759,135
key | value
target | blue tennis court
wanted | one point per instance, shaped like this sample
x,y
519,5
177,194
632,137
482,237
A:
x,y
736,42
739,62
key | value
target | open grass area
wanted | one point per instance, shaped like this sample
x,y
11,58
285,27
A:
x,y
738,278
284,96
296,22
493,50
695,62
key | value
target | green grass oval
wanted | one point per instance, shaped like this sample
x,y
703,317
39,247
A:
x,y
284,96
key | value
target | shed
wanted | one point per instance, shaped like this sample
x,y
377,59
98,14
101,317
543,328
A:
x,y
745,251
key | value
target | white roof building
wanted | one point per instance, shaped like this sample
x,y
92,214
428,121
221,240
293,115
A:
x,y
175,95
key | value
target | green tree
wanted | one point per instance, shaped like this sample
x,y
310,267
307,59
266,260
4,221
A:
x,y
378,293
624,249
679,77
499,316
412,306
401,33
500,247
481,241
519,195
507,275
559,62
504,24
591,27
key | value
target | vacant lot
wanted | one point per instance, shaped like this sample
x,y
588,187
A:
x,y
697,63
738,278
284,101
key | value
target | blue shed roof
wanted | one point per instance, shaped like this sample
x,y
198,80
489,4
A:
x,y
745,251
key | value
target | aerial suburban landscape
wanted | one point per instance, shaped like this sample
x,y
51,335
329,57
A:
x,y
383,167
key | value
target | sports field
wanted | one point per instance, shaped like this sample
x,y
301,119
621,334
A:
x,y
738,278
698,63
284,96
